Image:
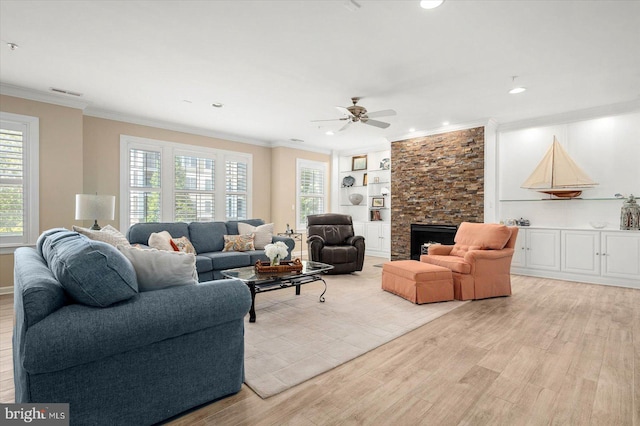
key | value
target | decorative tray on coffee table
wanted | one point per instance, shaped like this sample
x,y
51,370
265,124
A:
x,y
263,267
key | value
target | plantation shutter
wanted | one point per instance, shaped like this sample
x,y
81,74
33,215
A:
x,y
13,209
194,189
237,177
144,186
312,192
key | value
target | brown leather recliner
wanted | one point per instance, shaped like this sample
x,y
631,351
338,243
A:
x,y
331,240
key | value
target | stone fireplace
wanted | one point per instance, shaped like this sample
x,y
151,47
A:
x,y
437,180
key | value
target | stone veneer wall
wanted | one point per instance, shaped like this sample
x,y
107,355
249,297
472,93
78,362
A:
x,y
437,179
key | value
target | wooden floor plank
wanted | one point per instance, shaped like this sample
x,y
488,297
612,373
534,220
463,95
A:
x,y
554,352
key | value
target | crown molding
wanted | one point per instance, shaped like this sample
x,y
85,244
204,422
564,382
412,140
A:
x,y
160,124
572,116
445,129
41,96
286,144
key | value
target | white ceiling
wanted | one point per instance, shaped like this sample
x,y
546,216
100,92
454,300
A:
x,y
277,65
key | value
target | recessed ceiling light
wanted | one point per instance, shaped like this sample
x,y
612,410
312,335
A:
x,y
445,123
517,90
430,4
186,101
296,140
217,105
412,129
12,46
330,133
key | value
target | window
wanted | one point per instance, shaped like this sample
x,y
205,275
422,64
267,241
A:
x,y
19,148
167,182
311,184
236,189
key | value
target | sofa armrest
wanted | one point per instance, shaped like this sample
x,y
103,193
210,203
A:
x,y
440,249
77,334
353,240
315,243
475,255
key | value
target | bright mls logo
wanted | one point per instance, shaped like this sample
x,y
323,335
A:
x,y
36,414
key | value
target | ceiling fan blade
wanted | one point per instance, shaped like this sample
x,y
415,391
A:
x,y
332,119
344,111
345,126
376,123
385,113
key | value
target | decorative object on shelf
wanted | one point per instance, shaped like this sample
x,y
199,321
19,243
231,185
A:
x,y
275,252
263,267
376,215
385,164
348,181
94,207
385,192
630,214
598,225
376,179
523,222
377,202
356,199
558,175
364,180
359,162
511,222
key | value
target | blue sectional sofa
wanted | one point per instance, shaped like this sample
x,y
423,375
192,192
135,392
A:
x,y
120,357
208,240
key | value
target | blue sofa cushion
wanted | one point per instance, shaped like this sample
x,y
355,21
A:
x,y
207,236
203,264
139,233
229,259
92,272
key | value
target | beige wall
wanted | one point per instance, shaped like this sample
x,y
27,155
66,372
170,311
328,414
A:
x,y
81,154
283,185
61,171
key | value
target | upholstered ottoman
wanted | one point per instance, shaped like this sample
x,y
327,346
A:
x,y
417,282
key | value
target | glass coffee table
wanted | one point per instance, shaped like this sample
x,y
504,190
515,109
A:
x,y
263,282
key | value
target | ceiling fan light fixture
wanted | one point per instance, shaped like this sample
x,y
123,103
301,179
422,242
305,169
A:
x,y
430,4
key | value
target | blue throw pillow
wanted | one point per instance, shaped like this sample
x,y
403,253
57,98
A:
x,y
91,272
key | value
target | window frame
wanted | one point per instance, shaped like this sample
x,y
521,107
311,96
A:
x,y
168,152
31,184
310,164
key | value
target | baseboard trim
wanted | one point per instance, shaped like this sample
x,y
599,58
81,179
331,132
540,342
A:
x,y
6,290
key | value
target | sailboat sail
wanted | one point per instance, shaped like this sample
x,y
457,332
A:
x,y
557,174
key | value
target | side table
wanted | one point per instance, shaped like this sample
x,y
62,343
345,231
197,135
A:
x,y
296,237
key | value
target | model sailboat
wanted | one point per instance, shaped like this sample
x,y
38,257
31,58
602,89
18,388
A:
x,y
557,174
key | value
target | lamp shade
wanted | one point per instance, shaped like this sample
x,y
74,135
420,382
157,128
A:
x,y
94,207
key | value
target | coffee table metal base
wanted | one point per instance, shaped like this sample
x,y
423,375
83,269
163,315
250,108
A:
x,y
279,284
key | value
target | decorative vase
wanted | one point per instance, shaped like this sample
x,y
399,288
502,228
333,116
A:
x,y
275,261
356,199
630,214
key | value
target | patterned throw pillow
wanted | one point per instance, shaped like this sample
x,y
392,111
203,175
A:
x,y
238,242
108,234
183,244
263,233
160,240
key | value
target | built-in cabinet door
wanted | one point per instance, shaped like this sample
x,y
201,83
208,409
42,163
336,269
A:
x,y
385,241
543,249
621,255
519,259
580,251
373,237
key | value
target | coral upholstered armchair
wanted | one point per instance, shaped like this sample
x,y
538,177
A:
x,y
480,260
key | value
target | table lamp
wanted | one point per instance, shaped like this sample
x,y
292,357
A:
x,y
94,207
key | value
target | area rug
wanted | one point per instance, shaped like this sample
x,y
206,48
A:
x,y
296,338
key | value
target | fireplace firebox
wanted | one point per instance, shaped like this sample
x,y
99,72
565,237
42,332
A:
x,y
423,233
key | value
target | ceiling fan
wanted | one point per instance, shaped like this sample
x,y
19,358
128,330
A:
x,y
359,113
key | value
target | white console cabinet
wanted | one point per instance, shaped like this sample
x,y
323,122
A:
x,y
600,257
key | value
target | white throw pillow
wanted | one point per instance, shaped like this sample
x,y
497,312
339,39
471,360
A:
x,y
157,269
263,233
160,241
108,234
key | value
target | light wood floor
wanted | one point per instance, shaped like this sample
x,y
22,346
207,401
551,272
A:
x,y
555,352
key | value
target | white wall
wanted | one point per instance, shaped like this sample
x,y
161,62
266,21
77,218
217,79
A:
x,y
607,148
